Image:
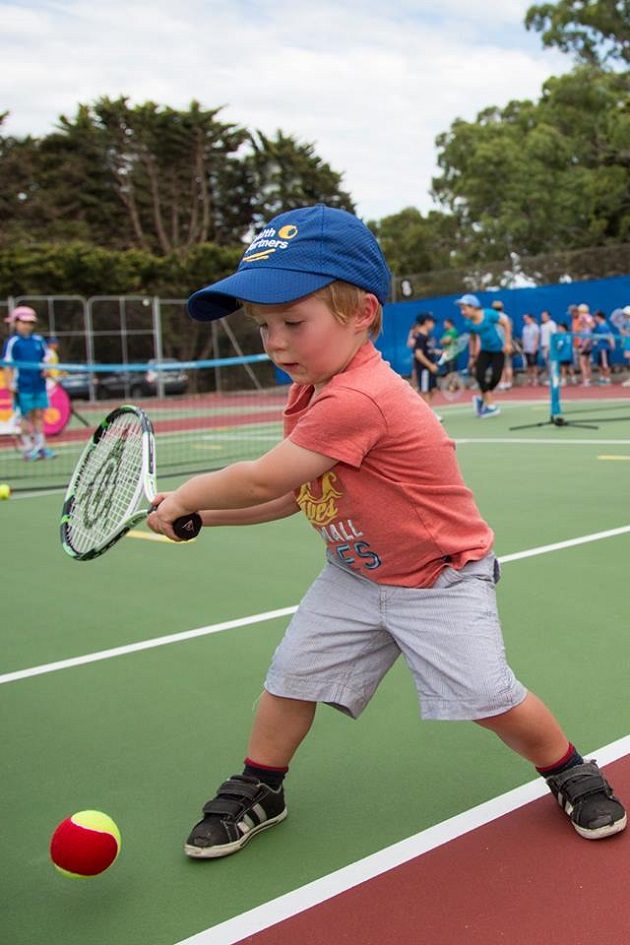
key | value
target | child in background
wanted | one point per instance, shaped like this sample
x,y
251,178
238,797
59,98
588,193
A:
x,y
564,347
409,563
603,345
29,384
425,360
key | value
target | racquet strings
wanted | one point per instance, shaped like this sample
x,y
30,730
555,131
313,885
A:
x,y
108,485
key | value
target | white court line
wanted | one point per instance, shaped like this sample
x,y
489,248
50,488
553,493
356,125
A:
x,y
540,440
243,926
260,618
145,645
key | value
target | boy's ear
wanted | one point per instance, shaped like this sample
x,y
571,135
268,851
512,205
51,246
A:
x,y
367,312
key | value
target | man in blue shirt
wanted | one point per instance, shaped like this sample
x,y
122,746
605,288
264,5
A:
x,y
29,384
490,341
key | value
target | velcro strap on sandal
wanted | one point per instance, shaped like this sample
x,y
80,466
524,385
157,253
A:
x,y
581,781
224,806
233,797
584,786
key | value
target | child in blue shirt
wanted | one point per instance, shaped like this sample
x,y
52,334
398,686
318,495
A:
x,y
29,384
490,341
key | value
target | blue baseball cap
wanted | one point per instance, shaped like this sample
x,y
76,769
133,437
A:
x,y
468,300
297,253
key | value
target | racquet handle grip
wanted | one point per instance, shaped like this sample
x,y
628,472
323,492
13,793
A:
x,y
187,526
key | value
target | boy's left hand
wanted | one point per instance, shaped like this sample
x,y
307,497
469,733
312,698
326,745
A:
x,y
166,510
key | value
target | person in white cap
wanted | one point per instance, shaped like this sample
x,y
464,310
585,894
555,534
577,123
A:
x,y
28,383
490,342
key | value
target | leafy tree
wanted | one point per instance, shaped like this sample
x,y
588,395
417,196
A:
x,y
534,177
595,30
168,169
414,243
284,174
155,178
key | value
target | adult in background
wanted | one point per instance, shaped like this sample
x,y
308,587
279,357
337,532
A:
x,y
490,341
548,328
620,318
507,374
585,326
411,343
530,338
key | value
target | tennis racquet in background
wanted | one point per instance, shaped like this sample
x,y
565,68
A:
x,y
452,382
115,472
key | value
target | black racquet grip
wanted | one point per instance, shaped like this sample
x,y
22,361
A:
x,y
187,526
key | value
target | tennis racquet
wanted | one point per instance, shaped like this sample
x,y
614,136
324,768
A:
x,y
114,473
452,382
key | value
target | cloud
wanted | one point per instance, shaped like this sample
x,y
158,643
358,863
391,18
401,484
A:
x,y
369,86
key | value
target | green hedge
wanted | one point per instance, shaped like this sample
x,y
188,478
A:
x,y
78,268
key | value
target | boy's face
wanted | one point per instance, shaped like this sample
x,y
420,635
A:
x,y
307,341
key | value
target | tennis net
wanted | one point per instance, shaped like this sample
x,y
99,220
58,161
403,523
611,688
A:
x,y
206,414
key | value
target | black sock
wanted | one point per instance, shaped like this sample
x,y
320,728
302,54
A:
x,y
570,759
268,775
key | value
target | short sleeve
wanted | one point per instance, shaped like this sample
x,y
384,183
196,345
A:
x,y
343,423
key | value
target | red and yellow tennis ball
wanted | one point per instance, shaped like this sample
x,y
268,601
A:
x,y
85,844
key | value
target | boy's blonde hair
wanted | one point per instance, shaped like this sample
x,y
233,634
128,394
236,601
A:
x,y
342,298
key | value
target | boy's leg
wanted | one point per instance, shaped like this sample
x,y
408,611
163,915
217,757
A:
x,y
580,788
531,730
253,801
280,726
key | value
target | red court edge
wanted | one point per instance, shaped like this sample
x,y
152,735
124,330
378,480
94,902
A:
x,y
523,879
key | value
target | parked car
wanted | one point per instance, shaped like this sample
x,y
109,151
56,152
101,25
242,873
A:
x,y
127,384
138,384
76,384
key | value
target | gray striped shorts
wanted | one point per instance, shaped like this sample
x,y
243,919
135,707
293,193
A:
x,y
348,632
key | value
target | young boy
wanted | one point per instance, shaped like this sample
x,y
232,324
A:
x,y
425,362
29,384
409,563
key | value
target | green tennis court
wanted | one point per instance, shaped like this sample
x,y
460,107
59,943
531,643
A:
x,y
108,701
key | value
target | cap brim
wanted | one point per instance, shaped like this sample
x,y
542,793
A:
x,y
261,286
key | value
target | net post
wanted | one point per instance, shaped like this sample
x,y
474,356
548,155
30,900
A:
x,y
554,378
156,318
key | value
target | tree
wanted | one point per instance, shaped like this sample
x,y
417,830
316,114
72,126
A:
x,y
284,173
595,30
155,178
169,169
535,177
413,243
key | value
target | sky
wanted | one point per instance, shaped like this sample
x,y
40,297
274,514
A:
x,y
369,84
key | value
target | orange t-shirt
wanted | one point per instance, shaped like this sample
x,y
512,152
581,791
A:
x,y
395,508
